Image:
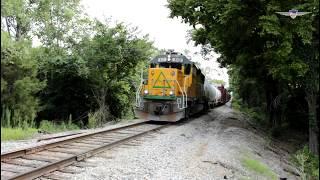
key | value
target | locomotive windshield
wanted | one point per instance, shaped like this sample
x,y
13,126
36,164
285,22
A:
x,y
176,65
171,65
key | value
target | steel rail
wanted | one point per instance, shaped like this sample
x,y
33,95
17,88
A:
x,y
45,169
59,136
30,150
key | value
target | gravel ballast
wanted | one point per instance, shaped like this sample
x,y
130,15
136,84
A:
x,y
211,146
207,147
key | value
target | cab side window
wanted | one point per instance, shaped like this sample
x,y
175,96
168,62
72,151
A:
x,y
202,78
187,69
152,65
198,71
194,70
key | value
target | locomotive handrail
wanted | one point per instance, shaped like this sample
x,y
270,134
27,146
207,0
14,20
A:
x,y
184,87
183,96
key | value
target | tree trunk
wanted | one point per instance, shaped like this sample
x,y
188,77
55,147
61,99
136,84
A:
x,y
313,125
271,93
8,26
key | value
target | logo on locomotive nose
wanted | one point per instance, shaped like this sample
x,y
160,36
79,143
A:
x,y
161,82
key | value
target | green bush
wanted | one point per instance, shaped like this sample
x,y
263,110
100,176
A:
x,y
92,120
51,127
20,83
235,104
307,164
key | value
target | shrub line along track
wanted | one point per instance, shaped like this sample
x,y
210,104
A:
x,y
21,164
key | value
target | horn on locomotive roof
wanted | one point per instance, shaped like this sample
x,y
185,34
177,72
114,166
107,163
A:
x,y
171,51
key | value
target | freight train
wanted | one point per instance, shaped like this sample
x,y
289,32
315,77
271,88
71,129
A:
x,y
175,88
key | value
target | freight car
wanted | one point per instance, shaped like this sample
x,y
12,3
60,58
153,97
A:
x,y
174,89
225,96
213,94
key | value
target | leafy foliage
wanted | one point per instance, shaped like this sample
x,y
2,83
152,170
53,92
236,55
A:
x,y
81,66
20,85
51,127
307,163
270,57
104,65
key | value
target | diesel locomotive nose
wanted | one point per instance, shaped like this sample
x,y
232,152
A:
x,y
174,89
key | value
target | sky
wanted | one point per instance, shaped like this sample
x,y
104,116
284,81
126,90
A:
x,y
152,17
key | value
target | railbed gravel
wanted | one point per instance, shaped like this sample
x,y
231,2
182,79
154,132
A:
x,y
207,147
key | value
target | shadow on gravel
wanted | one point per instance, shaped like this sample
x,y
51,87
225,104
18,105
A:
x,y
157,122
191,118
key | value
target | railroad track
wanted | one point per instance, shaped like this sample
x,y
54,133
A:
x,y
43,159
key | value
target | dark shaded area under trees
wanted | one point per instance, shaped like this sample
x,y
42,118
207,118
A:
x,y
273,60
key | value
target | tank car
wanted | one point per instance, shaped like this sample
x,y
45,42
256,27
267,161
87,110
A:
x,y
213,94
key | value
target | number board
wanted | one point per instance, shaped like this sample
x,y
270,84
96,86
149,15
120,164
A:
x,y
173,59
163,59
177,59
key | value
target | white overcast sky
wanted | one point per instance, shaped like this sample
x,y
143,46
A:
x,y
152,17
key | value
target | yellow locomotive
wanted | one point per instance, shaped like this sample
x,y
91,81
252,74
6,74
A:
x,y
173,90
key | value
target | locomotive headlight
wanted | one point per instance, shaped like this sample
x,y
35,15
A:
x,y
171,93
146,91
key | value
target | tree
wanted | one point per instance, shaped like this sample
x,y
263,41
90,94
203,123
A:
x,y
19,83
17,16
60,24
97,75
56,23
260,44
114,55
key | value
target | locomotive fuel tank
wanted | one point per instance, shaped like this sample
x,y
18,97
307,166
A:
x,y
212,93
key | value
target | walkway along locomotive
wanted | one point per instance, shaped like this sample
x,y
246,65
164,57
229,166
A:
x,y
175,89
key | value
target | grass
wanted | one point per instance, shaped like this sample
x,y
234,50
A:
x,y
52,127
244,178
258,167
17,133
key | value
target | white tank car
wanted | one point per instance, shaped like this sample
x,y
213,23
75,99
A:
x,y
212,93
